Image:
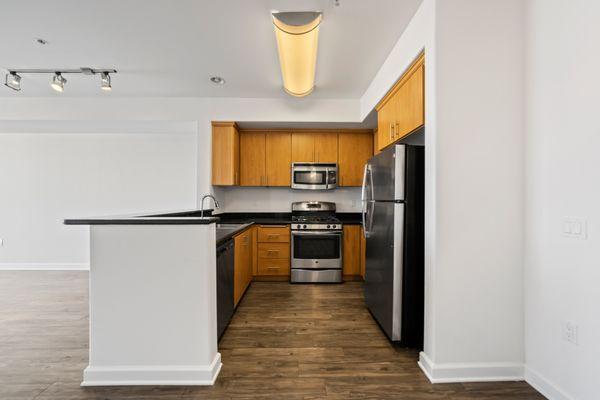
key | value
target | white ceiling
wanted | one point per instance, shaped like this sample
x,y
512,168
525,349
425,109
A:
x,y
172,47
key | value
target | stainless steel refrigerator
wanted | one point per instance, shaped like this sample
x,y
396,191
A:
x,y
393,220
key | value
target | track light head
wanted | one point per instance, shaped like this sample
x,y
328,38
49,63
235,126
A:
x,y
105,82
58,82
13,81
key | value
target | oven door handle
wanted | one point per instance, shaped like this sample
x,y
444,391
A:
x,y
313,233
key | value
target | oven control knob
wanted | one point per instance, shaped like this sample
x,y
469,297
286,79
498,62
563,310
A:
x,y
329,226
304,226
298,226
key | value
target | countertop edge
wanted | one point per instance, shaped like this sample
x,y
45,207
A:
x,y
142,221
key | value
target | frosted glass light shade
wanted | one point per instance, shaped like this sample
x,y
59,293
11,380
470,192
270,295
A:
x,y
297,35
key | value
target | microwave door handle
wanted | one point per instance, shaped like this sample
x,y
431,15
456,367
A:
x,y
326,178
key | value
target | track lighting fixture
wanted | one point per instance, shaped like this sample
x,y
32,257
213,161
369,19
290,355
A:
x,y
105,82
58,82
13,79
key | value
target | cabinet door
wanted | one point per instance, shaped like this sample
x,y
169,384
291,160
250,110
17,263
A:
x,y
278,158
415,107
225,154
409,103
351,250
252,159
303,147
254,244
355,150
384,124
363,253
326,147
242,265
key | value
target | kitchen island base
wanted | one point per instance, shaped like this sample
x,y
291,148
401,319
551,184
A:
x,y
153,317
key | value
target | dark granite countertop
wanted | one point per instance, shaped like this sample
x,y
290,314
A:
x,y
175,218
188,217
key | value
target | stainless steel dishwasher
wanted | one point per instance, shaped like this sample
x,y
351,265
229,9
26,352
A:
x,y
225,264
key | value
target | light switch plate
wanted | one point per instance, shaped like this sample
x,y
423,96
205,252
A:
x,y
570,332
574,227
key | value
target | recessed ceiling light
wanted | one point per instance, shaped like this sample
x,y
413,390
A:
x,y
58,82
217,80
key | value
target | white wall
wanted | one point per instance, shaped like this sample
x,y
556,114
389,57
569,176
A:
x,y
418,36
46,178
238,199
478,303
167,169
474,183
563,176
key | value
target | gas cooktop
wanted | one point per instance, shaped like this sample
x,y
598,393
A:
x,y
314,215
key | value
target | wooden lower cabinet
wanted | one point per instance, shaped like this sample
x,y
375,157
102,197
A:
x,y
274,267
273,233
351,256
273,251
242,275
363,253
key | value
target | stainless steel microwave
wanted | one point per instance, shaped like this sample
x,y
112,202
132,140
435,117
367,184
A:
x,y
314,176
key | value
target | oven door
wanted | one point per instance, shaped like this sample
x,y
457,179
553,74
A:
x,y
314,177
317,249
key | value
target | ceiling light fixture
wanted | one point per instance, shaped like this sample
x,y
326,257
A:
x,y
297,35
217,80
13,81
105,82
58,82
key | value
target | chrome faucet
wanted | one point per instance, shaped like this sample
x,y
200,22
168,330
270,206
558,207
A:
x,y
202,203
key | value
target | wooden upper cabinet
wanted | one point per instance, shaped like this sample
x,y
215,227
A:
x,y
303,147
355,149
384,124
225,154
278,151
314,147
326,147
252,159
411,105
402,110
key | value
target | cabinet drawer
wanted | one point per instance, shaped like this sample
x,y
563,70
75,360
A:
x,y
279,234
268,266
273,250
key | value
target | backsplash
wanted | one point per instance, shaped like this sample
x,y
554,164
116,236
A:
x,y
271,199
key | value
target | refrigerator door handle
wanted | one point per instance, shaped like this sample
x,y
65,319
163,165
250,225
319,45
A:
x,y
366,201
363,198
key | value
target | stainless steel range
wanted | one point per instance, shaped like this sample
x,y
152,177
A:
x,y
317,241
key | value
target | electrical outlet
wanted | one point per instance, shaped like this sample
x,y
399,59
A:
x,y
574,227
570,332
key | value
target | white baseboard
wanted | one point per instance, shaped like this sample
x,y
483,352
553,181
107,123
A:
x,y
544,386
44,266
470,372
175,375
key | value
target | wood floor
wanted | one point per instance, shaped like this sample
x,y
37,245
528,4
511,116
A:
x,y
285,342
